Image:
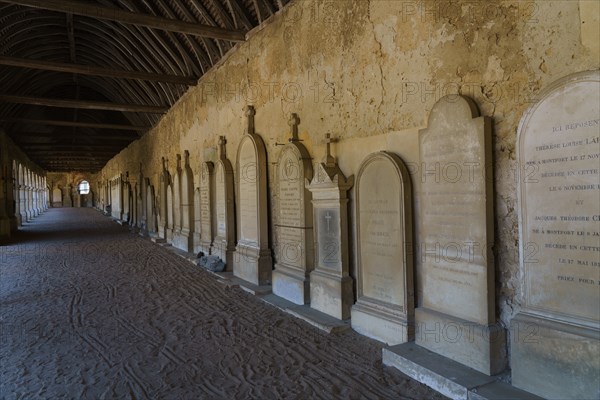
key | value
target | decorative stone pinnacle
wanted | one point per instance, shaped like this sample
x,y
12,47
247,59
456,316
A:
x,y
293,122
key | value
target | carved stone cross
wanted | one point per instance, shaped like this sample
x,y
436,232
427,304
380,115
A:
x,y
222,142
328,219
250,113
329,159
293,122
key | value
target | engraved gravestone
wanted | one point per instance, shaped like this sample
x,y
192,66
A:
x,y
456,315
197,227
253,262
556,337
183,238
384,309
331,289
205,208
223,245
177,199
164,184
294,234
170,218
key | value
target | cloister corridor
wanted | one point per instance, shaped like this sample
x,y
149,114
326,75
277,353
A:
x,y
89,310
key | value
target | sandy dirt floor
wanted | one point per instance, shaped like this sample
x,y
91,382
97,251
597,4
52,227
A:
x,y
89,310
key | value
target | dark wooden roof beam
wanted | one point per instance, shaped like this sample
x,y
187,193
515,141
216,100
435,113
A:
x,y
77,124
94,71
83,104
126,17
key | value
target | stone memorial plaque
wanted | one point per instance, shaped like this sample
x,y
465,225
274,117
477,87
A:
x,y
457,218
170,215
197,219
164,182
559,155
456,229
328,240
205,208
220,201
294,235
253,262
331,286
248,192
382,230
385,305
223,244
555,344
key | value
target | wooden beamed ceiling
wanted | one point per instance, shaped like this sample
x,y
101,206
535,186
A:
x,y
79,81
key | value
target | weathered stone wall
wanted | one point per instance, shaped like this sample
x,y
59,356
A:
x,y
369,72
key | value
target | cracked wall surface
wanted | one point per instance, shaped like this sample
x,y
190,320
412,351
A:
x,y
369,72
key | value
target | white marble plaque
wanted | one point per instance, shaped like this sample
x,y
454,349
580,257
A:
x,y
559,156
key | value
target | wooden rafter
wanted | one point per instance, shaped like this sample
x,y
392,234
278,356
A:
x,y
126,17
76,124
82,104
94,71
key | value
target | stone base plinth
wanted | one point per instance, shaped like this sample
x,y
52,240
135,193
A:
x,y
481,347
331,294
4,228
183,240
555,360
253,264
206,247
448,377
380,322
226,253
291,284
196,243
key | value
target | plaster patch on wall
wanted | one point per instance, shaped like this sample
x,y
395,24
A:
x,y
589,13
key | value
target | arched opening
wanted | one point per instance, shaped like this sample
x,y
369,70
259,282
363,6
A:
x,y
83,187
84,195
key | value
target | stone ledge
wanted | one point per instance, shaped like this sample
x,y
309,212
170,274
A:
x,y
316,318
227,278
448,377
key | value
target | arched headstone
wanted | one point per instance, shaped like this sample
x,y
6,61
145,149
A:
x,y
456,228
253,262
223,244
558,152
184,238
385,306
294,224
